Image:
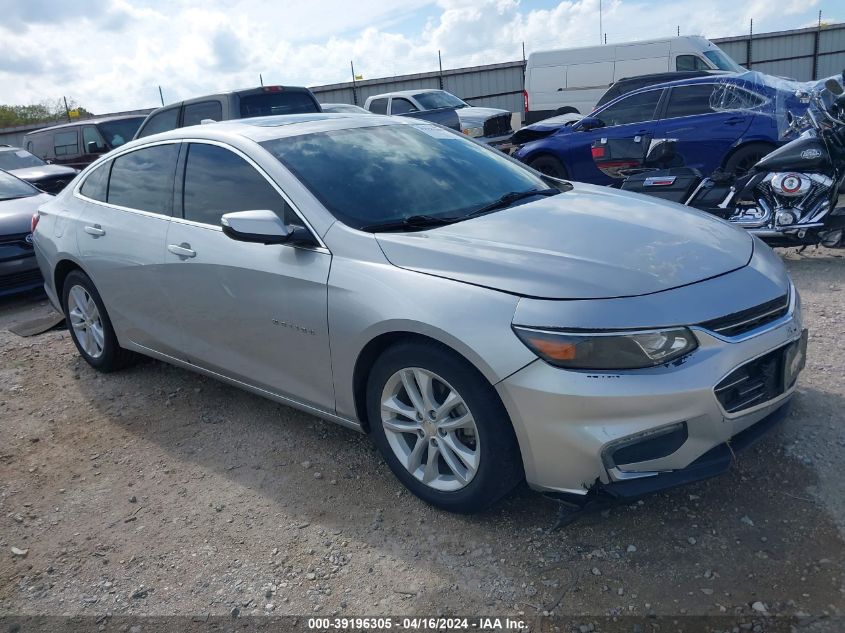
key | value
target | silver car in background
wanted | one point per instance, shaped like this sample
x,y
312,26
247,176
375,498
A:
x,y
483,323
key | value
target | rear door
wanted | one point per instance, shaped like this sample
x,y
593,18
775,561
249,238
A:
x,y
631,119
703,135
121,236
255,313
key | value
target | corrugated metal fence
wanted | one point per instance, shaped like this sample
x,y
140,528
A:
x,y
802,54
493,85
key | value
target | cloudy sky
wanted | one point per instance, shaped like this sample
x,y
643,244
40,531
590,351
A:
x,y
112,55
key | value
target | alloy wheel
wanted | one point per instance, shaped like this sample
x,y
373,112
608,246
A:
x,y
86,321
430,429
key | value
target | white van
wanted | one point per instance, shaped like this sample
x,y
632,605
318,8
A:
x,y
572,80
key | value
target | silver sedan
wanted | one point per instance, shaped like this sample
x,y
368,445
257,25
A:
x,y
483,323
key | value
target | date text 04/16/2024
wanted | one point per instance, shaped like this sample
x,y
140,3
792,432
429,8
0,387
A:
x,y
417,623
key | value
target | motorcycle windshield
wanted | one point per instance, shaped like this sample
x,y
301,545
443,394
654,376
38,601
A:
x,y
785,101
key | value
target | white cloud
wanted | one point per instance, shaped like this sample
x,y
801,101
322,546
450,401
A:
x,y
112,55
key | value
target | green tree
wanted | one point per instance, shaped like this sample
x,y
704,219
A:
x,y
48,110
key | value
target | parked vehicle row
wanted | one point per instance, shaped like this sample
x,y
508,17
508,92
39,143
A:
x,y
19,200
483,322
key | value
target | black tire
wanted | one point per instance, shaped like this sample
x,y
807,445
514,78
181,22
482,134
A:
x,y
113,357
566,110
499,463
549,165
745,157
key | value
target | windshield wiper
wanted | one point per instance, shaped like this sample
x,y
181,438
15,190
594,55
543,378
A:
x,y
509,198
409,223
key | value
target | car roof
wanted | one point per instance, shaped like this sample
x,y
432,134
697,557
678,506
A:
x,y
92,120
259,129
405,93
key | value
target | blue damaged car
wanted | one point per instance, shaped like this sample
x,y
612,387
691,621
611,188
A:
x,y
725,122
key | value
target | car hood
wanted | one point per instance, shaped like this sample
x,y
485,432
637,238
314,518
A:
x,y
16,215
473,114
34,174
587,243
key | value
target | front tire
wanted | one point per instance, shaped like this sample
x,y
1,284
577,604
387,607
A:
x,y
89,325
550,166
441,428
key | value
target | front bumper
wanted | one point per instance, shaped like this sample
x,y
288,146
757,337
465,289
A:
x,y
19,274
568,421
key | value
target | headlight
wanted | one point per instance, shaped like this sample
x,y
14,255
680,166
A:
x,y
474,132
608,350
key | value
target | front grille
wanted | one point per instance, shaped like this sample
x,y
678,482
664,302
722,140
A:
x,y
754,383
7,282
52,185
16,239
498,126
746,320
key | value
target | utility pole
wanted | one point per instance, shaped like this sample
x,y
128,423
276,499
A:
x,y
354,87
440,65
67,110
601,29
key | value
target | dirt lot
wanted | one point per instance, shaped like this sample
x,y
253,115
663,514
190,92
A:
x,y
157,491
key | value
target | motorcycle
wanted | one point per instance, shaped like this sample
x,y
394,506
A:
x,y
788,198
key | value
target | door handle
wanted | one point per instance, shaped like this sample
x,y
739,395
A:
x,y
95,230
182,250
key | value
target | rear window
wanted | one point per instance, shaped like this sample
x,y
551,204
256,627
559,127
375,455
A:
x,y
269,103
378,106
66,143
18,159
163,121
119,132
143,179
195,112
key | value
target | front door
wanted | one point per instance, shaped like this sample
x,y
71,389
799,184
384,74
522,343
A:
x,y
630,118
252,312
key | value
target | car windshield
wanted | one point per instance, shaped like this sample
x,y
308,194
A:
x,y
18,159
378,175
269,103
722,61
11,187
439,99
120,131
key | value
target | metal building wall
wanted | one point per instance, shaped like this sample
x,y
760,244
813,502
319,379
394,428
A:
x,y
783,53
798,54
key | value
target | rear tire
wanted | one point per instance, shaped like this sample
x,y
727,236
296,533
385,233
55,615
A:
x,y
550,166
462,460
90,326
745,157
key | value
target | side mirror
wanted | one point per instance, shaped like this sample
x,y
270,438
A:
x,y
589,123
93,147
833,86
263,227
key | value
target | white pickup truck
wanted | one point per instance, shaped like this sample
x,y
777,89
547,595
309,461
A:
x,y
488,125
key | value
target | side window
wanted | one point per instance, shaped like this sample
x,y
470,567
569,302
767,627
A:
x,y
66,143
401,106
632,109
161,122
689,100
196,112
143,179
690,62
218,181
96,184
92,141
378,106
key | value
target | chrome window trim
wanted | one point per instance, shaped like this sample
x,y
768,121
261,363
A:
x,y
118,153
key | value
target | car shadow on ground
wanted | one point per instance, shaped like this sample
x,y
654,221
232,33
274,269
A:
x,y
745,536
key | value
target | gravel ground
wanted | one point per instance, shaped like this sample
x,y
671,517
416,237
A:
x,y
157,491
